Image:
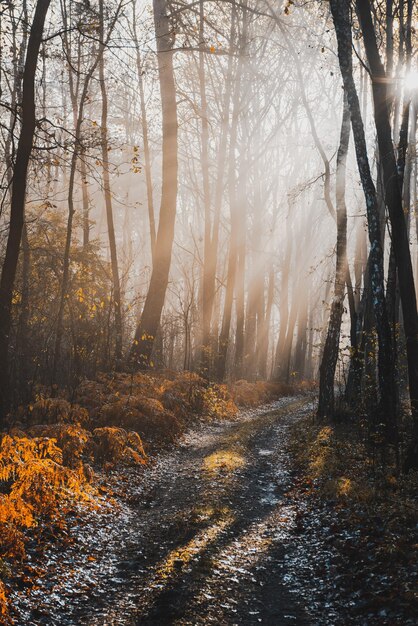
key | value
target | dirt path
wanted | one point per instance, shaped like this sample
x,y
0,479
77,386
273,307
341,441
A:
x,y
207,539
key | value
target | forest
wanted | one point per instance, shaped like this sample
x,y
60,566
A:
x,y
208,312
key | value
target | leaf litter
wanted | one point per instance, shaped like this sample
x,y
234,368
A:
x,y
181,543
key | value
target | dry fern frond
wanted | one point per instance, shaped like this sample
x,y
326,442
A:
x,y
56,411
4,609
115,445
34,485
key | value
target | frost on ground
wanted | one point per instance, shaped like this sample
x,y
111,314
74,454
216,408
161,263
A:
x,y
209,534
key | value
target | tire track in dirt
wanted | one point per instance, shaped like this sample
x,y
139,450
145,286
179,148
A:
x,y
205,536
215,538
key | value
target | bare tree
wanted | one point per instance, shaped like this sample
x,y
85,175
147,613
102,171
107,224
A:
x,y
19,184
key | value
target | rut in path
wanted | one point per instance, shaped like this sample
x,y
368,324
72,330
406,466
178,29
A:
x,y
207,539
212,547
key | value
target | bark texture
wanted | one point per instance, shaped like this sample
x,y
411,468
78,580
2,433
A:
x,y
146,332
17,207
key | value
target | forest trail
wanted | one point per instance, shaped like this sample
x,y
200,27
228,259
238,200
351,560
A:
x,y
211,546
209,533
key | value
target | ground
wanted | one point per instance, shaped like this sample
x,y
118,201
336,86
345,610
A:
x,y
213,532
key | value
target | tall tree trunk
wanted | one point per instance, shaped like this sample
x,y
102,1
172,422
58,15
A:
x,y
141,350
223,343
117,295
71,211
22,337
392,292
309,365
23,328
301,336
208,262
145,139
286,356
263,335
340,14
240,275
219,189
284,304
255,298
330,353
17,208
393,198
86,201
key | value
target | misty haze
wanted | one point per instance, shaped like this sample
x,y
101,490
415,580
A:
x,y
208,312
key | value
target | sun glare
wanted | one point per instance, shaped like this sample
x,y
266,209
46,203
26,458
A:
x,y
411,80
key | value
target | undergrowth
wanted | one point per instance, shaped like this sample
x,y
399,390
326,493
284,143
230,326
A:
x,y
250,394
355,486
58,450
36,493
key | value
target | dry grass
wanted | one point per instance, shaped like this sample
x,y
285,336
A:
x,y
347,480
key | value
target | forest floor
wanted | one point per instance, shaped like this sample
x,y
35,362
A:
x,y
220,529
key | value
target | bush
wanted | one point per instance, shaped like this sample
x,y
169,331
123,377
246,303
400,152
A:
x,y
189,394
116,446
251,394
73,440
34,485
157,406
146,416
91,394
217,402
55,411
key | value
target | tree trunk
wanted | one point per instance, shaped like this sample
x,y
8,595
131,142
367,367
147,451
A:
x,y
240,272
141,350
255,298
340,14
86,202
71,211
144,125
223,342
117,295
393,198
284,304
17,209
332,342
23,332
219,187
263,335
208,261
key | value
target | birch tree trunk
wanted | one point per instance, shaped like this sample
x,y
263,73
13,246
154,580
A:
x,y
393,199
326,405
340,13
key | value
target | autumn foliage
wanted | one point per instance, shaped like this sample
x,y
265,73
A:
x,y
158,406
251,394
56,447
